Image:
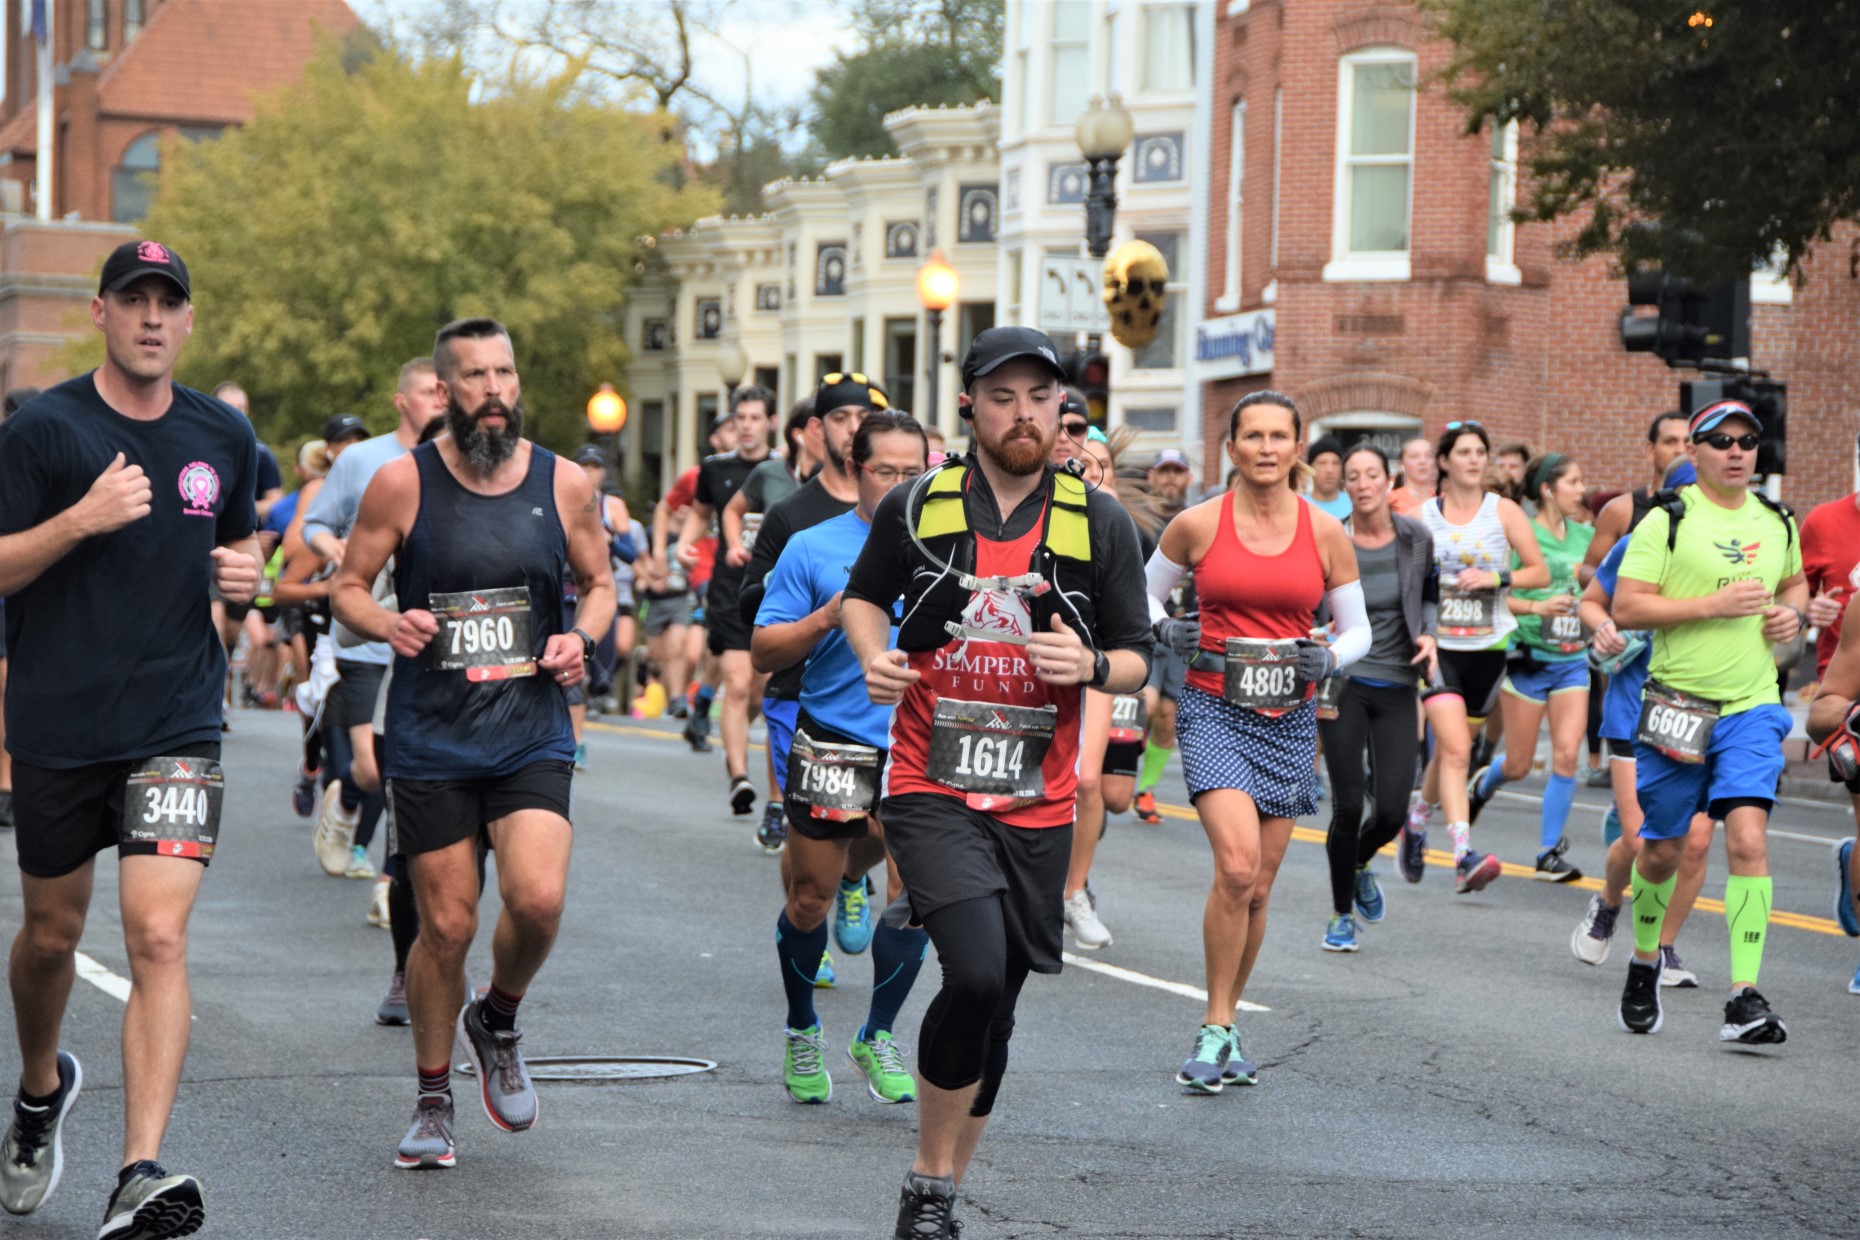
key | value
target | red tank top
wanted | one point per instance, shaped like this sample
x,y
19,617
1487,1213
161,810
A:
x,y
999,673
1247,595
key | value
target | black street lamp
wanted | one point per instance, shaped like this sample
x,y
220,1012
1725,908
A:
x,y
1103,131
936,289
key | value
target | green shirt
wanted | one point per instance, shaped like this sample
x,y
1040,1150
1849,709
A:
x,y
1562,555
1724,660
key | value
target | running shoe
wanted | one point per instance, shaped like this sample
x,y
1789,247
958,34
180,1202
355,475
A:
x,y
853,923
1082,919
1483,750
359,864
772,831
804,1066
1474,870
151,1204
1240,1069
379,913
677,709
1205,1071
1369,903
1853,987
1611,827
503,1082
32,1156
824,977
581,756
1475,801
1341,934
1551,868
335,832
1595,932
1411,852
1145,809
926,1208
393,1008
887,1077
1596,777
428,1144
303,793
1748,1019
1640,1000
1675,974
742,795
697,732
6,809
1844,911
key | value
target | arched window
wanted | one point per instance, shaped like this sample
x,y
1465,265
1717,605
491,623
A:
x,y
132,184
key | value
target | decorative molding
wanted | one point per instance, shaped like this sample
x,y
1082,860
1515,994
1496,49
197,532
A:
x,y
1360,393
1387,27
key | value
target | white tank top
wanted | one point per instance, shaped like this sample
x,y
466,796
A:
x,y
1481,544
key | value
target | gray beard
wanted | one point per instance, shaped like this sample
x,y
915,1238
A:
x,y
484,450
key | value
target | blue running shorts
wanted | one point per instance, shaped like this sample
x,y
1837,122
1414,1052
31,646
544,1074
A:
x,y
1743,763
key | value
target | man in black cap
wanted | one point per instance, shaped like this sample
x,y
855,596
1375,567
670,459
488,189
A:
x,y
344,428
114,709
1039,582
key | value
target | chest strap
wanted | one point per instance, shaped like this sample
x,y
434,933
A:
x,y
1067,532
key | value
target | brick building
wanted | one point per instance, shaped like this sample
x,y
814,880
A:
x,y
1359,234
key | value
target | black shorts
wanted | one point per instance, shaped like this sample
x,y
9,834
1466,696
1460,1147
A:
x,y
293,622
425,815
1123,758
64,816
1168,671
947,852
800,813
236,612
1472,675
351,702
727,628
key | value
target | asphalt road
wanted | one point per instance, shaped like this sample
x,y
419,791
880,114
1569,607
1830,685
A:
x,y
1461,1075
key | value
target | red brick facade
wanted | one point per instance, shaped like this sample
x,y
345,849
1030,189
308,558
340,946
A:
x,y
1540,360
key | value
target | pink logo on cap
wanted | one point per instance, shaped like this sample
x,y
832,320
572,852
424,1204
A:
x,y
153,252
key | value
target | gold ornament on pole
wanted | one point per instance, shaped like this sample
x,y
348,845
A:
x,y
1136,288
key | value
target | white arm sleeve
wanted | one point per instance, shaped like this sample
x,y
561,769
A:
x,y
1162,573
1349,624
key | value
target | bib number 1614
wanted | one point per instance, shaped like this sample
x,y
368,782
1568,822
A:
x,y
986,756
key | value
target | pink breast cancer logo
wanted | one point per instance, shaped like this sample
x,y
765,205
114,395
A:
x,y
200,489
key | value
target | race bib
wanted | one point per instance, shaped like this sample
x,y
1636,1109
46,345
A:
x,y
1675,723
1565,633
484,633
1262,676
752,525
1468,613
992,753
838,782
1329,694
171,807
1129,718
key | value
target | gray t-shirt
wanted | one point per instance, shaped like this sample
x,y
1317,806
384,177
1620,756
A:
x,y
1389,646
333,511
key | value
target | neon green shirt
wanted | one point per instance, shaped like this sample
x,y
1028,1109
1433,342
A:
x,y
1724,660
1562,555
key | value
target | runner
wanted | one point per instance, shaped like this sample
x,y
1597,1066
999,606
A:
x,y
617,524
980,822
1476,536
1169,480
831,788
1508,465
15,400
1325,457
1666,448
114,710
1549,671
232,618
1263,562
1717,588
482,526
1367,717
1830,547
1419,477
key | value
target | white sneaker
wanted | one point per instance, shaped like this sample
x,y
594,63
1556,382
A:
x,y
1083,918
1595,932
335,832
359,864
378,914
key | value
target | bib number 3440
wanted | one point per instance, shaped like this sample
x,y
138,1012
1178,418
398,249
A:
x,y
171,807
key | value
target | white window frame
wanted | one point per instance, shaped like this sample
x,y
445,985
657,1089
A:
x,y
1366,265
1182,12
1054,44
1229,300
1270,293
1501,266
1769,283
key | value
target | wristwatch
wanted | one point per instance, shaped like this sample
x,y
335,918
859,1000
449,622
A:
x,y
1100,669
587,645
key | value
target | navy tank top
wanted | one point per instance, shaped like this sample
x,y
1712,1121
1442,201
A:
x,y
468,706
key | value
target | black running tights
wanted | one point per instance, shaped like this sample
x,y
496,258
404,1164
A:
x,y
966,1028
1376,724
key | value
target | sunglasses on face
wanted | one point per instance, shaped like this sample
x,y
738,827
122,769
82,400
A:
x,y
1722,442
1076,429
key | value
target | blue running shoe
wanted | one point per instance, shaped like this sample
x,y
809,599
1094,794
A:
x,y
1411,852
852,918
1240,1069
1206,1069
1844,889
1611,827
1341,935
1369,904
824,977
581,757
1853,987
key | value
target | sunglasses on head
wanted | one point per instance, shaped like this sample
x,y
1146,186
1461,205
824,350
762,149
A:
x,y
1454,426
1723,441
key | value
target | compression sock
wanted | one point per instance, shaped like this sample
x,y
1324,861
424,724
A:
x,y
403,914
500,1009
1155,758
1650,901
1461,834
1747,913
351,795
799,953
897,955
701,703
1494,776
436,1082
1559,795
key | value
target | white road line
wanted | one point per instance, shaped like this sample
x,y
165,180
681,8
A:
x,y
104,980
1154,983
1774,832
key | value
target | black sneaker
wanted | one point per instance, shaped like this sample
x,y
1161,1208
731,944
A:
x,y
772,831
697,732
742,795
1640,1001
1474,801
1551,868
677,710
150,1204
1748,1019
926,1208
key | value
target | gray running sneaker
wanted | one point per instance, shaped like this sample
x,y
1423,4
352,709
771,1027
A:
x,y
393,1009
150,1204
503,1081
33,1157
428,1143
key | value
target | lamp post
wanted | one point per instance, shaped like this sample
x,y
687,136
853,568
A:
x,y
1103,131
732,365
936,289
606,416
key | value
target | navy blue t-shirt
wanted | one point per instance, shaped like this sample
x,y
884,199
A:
x,y
112,650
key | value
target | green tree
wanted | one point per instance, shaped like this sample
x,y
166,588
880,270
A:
x,y
915,52
330,238
1709,139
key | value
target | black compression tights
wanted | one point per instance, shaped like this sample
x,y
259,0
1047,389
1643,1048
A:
x,y
966,1028
1376,723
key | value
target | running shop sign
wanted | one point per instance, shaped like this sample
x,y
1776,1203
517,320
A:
x,y
484,633
171,807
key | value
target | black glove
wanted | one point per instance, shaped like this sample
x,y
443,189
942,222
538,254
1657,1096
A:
x,y
1181,636
1843,747
1315,662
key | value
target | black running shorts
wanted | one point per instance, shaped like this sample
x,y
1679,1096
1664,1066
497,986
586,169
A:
x,y
425,815
1123,758
64,816
1472,675
351,702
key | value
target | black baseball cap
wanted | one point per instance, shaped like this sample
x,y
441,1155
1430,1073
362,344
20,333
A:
x,y
344,426
999,345
590,454
132,260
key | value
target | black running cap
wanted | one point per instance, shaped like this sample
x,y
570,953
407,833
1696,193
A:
x,y
344,426
132,260
994,348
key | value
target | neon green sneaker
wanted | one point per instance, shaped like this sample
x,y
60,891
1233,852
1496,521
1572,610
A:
x,y
824,977
882,1061
804,1071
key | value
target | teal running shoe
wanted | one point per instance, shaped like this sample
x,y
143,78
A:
x,y
824,977
1206,1069
852,919
1240,1069
882,1060
804,1067
1369,903
1340,935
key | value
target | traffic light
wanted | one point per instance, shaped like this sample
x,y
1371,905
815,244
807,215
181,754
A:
x,y
1691,323
1092,376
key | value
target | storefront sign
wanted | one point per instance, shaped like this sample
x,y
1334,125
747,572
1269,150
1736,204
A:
x,y
1239,344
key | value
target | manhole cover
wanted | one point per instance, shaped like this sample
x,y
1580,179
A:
x,y
606,1067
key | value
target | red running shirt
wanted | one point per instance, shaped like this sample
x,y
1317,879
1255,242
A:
x,y
1273,597
1831,559
682,495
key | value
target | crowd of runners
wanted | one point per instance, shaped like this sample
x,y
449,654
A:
x,y
964,664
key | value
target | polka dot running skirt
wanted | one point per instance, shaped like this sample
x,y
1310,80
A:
x,y
1227,746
